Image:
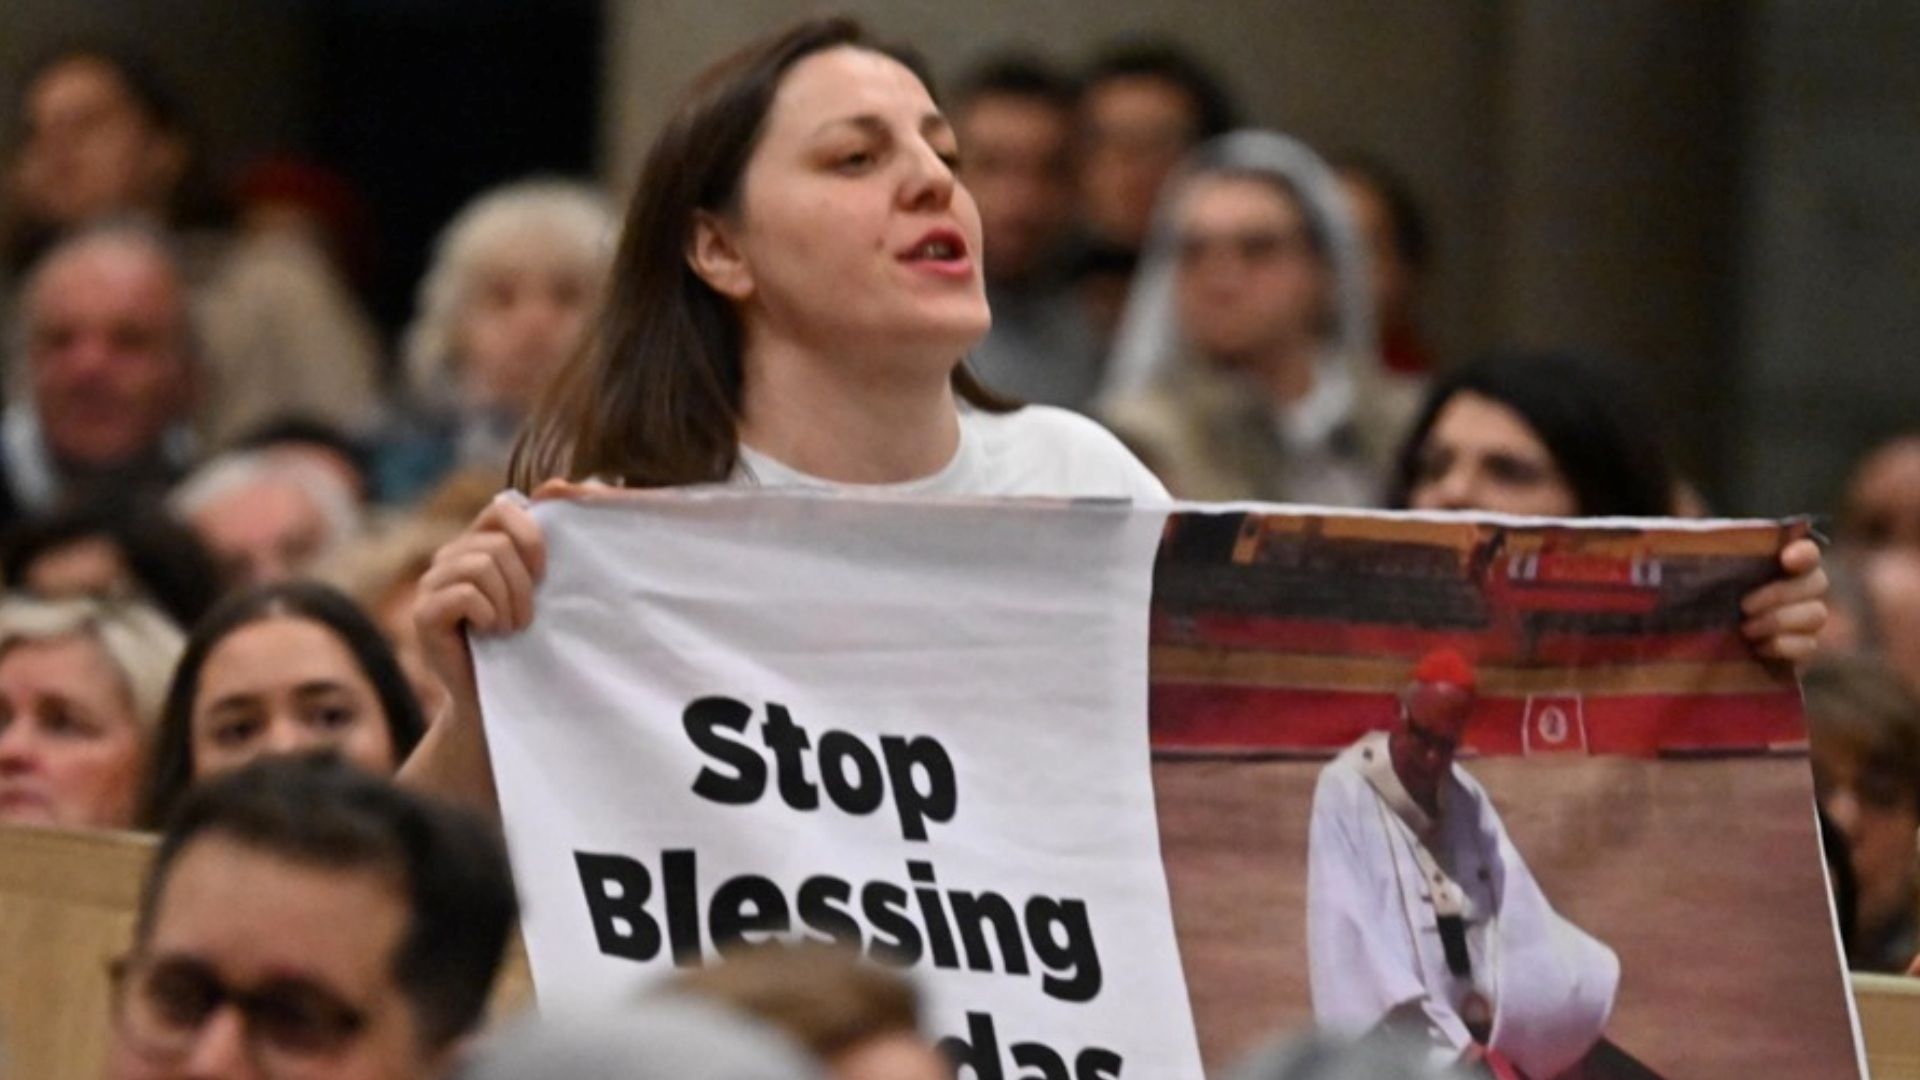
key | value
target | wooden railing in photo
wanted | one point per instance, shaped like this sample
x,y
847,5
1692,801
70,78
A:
x,y
1890,1021
67,906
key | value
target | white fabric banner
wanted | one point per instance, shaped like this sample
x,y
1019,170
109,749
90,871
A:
x,y
921,728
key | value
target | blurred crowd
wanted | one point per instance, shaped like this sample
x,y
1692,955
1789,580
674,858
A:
x,y
219,487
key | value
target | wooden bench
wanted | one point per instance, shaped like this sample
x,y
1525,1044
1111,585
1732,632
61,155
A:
x,y
1890,1020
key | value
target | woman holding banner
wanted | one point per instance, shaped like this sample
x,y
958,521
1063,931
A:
x,y
796,285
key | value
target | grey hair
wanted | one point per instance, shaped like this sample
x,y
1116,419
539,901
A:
x,y
575,220
239,469
140,642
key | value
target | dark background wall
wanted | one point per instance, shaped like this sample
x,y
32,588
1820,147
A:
x,y
247,66
1723,193
1828,265
421,103
427,102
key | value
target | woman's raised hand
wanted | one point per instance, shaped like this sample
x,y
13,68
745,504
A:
x,y
1784,618
482,582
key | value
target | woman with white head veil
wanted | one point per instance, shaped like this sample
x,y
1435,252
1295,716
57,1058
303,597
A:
x,y
1247,363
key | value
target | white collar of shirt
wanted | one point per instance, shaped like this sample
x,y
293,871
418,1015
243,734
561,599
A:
x,y
29,468
953,478
29,464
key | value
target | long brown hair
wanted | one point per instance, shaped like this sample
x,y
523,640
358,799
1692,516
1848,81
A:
x,y
653,397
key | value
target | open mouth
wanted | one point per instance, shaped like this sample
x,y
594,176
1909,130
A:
x,y
941,245
936,249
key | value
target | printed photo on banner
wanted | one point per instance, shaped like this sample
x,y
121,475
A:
x,y
1521,792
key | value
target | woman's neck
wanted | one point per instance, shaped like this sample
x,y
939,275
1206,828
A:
x,y
828,417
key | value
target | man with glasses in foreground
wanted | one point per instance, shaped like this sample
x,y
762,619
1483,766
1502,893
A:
x,y
303,919
1421,916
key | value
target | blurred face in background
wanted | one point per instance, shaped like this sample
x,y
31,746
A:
x,y
1134,131
1482,455
90,149
526,312
83,566
286,685
71,748
1890,579
107,351
1883,498
309,949
1250,282
1016,158
266,531
1878,812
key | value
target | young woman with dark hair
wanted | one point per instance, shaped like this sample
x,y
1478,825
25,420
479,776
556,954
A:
x,y
1558,435
796,286
1549,434
280,669
682,364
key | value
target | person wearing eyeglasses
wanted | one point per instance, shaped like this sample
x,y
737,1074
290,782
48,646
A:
x,y
1247,365
1423,920
305,919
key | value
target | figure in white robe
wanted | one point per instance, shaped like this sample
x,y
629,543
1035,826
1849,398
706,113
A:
x,y
1392,863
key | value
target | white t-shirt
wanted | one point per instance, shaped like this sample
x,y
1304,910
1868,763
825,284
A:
x,y
1034,450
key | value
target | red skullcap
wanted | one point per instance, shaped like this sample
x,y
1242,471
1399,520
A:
x,y
1445,666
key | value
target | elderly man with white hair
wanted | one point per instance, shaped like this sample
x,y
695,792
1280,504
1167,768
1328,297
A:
x,y
267,515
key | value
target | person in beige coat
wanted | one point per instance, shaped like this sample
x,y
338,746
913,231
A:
x,y
1247,366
